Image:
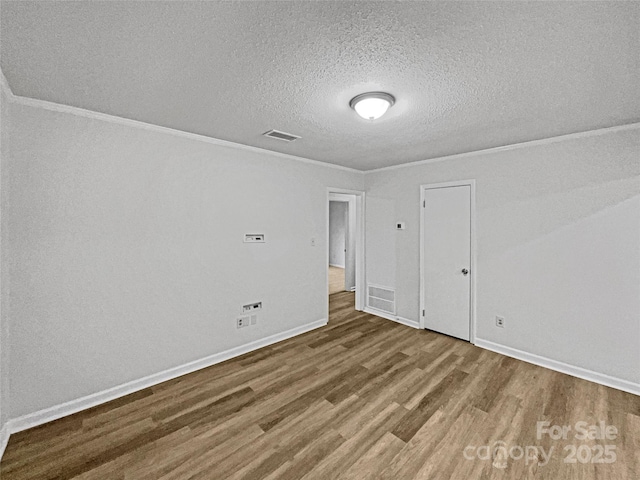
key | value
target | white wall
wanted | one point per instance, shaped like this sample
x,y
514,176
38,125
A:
x,y
558,245
337,233
126,258
128,252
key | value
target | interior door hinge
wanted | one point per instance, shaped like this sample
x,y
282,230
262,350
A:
x,y
424,204
423,313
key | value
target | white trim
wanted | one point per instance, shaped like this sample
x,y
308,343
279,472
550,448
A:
x,y
340,197
561,367
393,318
513,146
471,183
57,107
473,268
360,197
81,112
336,265
4,438
4,431
68,408
6,88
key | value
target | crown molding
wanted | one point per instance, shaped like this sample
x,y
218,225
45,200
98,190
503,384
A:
x,y
81,112
513,146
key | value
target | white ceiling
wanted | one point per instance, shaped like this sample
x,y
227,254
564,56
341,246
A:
x,y
466,75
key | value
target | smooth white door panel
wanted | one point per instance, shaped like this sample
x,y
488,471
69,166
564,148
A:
x,y
447,260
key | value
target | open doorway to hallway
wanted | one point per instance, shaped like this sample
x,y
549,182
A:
x,y
345,246
341,250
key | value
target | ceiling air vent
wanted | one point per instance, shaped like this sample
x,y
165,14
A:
x,y
287,137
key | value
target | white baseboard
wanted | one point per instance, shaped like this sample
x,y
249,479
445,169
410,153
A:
x,y
4,438
561,367
336,265
393,318
352,289
58,411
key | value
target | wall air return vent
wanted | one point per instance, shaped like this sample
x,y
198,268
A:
x,y
278,135
381,298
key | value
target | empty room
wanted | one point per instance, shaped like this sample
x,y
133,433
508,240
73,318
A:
x,y
313,240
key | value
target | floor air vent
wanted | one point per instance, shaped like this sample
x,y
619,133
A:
x,y
278,135
381,298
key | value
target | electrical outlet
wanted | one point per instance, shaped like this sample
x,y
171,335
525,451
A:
x,y
243,322
499,321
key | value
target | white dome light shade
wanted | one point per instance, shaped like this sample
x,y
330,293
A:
x,y
372,105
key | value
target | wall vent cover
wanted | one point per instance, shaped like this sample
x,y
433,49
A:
x,y
381,298
278,135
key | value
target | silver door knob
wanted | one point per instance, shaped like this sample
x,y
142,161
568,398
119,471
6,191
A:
x,y
465,271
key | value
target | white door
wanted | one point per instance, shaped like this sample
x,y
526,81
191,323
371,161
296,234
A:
x,y
447,260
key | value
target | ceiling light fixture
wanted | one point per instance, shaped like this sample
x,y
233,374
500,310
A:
x,y
372,105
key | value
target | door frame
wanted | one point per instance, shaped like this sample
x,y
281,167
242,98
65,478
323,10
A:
x,y
472,258
359,253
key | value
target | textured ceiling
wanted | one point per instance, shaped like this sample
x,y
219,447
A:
x,y
466,76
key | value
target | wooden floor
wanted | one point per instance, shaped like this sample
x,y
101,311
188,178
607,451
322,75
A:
x,y
362,398
336,280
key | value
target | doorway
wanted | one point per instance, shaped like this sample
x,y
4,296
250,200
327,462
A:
x,y
447,260
341,244
345,244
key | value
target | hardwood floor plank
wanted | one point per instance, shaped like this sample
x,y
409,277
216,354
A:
x,y
361,398
310,456
336,280
418,450
428,405
370,464
445,456
496,383
372,428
